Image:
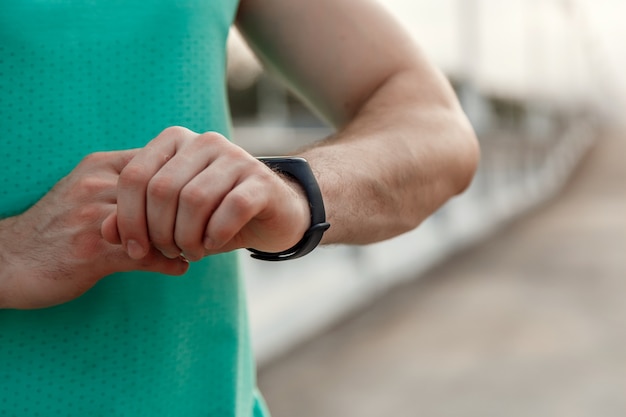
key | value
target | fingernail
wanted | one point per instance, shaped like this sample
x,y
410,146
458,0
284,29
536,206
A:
x,y
135,250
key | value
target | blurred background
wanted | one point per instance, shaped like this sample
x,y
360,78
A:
x,y
509,300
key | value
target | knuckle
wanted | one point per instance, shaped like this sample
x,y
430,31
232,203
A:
x,y
133,175
190,245
221,234
94,158
89,185
162,240
161,188
240,202
175,131
235,152
241,205
194,196
184,242
211,138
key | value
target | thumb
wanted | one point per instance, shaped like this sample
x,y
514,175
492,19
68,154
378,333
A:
x,y
109,230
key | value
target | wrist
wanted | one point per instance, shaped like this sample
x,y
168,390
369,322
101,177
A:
x,y
300,171
301,206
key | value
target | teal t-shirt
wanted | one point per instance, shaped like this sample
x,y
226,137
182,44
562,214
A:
x,y
78,76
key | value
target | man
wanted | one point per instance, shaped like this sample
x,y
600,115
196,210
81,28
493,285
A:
x,y
94,87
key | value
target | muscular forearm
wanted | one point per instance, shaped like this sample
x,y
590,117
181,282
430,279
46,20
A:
x,y
403,145
407,151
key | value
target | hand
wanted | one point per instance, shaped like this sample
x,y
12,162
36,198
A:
x,y
54,252
199,194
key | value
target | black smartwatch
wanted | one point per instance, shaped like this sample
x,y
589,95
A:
x,y
299,170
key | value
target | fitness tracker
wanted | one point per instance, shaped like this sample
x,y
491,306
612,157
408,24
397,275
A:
x,y
299,170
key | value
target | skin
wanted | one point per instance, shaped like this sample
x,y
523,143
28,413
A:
x,y
402,148
54,252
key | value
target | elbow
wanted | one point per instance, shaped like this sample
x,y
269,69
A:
x,y
467,155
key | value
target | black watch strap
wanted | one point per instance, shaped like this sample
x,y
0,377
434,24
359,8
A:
x,y
298,169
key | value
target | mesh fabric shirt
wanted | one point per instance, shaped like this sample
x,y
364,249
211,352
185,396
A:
x,y
78,76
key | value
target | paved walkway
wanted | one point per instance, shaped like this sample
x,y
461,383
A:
x,y
530,323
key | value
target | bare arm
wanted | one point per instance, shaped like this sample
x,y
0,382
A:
x,y
403,146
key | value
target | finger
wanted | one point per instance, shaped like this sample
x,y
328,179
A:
x,y
109,230
155,261
113,161
118,261
164,193
96,177
131,193
119,159
197,202
236,210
